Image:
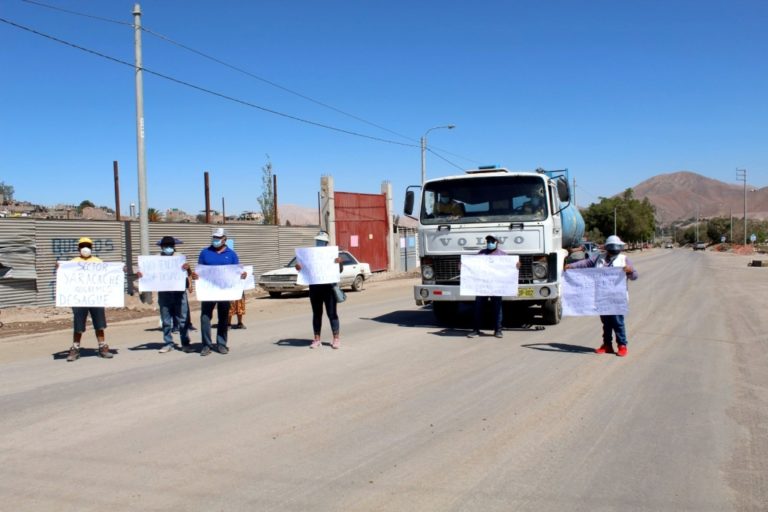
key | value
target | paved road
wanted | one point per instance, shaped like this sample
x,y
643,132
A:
x,y
408,416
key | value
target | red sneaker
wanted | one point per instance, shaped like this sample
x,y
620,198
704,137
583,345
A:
x,y
622,351
605,348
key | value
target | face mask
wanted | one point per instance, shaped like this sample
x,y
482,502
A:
x,y
491,246
168,250
217,242
85,252
320,243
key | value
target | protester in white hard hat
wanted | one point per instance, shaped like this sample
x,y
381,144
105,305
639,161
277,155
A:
x,y
612,324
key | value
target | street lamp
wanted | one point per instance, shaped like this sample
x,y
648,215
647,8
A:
x,y
424,150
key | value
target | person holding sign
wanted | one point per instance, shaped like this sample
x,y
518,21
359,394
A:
x,y
491,248
611,323
324,294
173,307
98,314
218,253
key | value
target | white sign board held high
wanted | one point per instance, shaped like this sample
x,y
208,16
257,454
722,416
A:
x,y
318,265
218,283
489,275
595,291
162,273
83,284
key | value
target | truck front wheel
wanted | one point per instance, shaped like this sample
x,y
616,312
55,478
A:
x,y
552,311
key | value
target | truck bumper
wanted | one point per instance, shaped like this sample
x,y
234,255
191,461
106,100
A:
x,y
426,293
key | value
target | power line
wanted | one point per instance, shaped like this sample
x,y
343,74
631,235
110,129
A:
x,y
228,65
208,91
441,157
245,72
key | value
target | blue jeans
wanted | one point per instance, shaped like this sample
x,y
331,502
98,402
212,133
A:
x,y
611,324
495,304
173,309
206,312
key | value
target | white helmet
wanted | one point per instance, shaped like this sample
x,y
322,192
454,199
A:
x,y
322,237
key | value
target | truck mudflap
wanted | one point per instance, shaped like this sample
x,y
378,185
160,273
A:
x,y
426,293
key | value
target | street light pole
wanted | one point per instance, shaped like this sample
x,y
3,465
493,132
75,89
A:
x,y
741,175
424,150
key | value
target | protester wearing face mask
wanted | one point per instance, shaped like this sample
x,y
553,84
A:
x,y
324,294
216,254
612,324
98,315
173,306
491,248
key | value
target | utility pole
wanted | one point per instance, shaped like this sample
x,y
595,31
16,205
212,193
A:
x,y
741,175
140,154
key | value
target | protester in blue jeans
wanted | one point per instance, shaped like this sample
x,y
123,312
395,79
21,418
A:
x,y
173,306
491,248
611,323
216,254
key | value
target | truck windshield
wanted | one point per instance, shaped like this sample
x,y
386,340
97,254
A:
x,y
484,199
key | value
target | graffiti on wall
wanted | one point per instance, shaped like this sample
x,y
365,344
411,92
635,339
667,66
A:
x,y
66,248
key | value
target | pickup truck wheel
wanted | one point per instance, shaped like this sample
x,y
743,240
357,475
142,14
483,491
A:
x,y
445,312
552,311
357,284
275,295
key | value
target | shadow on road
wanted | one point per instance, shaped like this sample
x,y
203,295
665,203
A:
x,y
560,347
84,352
148,346
293,342
410,318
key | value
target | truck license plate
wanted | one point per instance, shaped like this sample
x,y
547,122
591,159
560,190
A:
x,y
525,292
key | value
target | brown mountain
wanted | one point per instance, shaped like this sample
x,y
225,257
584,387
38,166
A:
x,y
679,195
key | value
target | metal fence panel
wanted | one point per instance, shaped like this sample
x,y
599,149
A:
x,y
18,283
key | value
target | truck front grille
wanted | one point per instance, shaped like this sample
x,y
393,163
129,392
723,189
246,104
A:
x,y
447,269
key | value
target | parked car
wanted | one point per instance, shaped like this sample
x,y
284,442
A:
x,y
284,279
699,246
669,245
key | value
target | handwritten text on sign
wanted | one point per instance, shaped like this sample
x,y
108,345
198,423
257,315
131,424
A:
x,y
595,291
83,284
162,273
489,275
218,282
318,265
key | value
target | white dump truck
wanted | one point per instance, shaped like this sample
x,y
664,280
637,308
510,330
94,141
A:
x,y
530,213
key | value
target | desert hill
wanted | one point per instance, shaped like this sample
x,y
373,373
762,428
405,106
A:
x,y
679,195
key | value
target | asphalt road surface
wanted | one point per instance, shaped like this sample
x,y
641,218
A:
x,y
407,415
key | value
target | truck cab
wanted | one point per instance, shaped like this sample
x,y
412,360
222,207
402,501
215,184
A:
x,y
526,211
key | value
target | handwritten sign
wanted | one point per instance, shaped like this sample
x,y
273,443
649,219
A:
x,y
318,265
218,283
83,284
489,275
249,283
162,273
595,291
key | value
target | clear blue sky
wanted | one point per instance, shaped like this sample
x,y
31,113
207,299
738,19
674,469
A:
x,y
616,91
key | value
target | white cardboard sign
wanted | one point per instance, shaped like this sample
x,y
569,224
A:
x,y
489,275
162,273
218,283
84,284
318,265
595,291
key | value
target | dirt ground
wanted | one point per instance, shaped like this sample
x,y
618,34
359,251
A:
x,y
21,320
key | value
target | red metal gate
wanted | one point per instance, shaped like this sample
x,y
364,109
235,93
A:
x,y
361,227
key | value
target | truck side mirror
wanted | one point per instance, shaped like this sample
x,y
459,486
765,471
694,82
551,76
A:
x,y
562,190
409,198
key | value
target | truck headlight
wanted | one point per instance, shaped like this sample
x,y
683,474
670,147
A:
x,y
540,270
427,272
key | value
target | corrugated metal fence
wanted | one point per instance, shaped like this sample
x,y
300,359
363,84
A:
x,y
264,247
